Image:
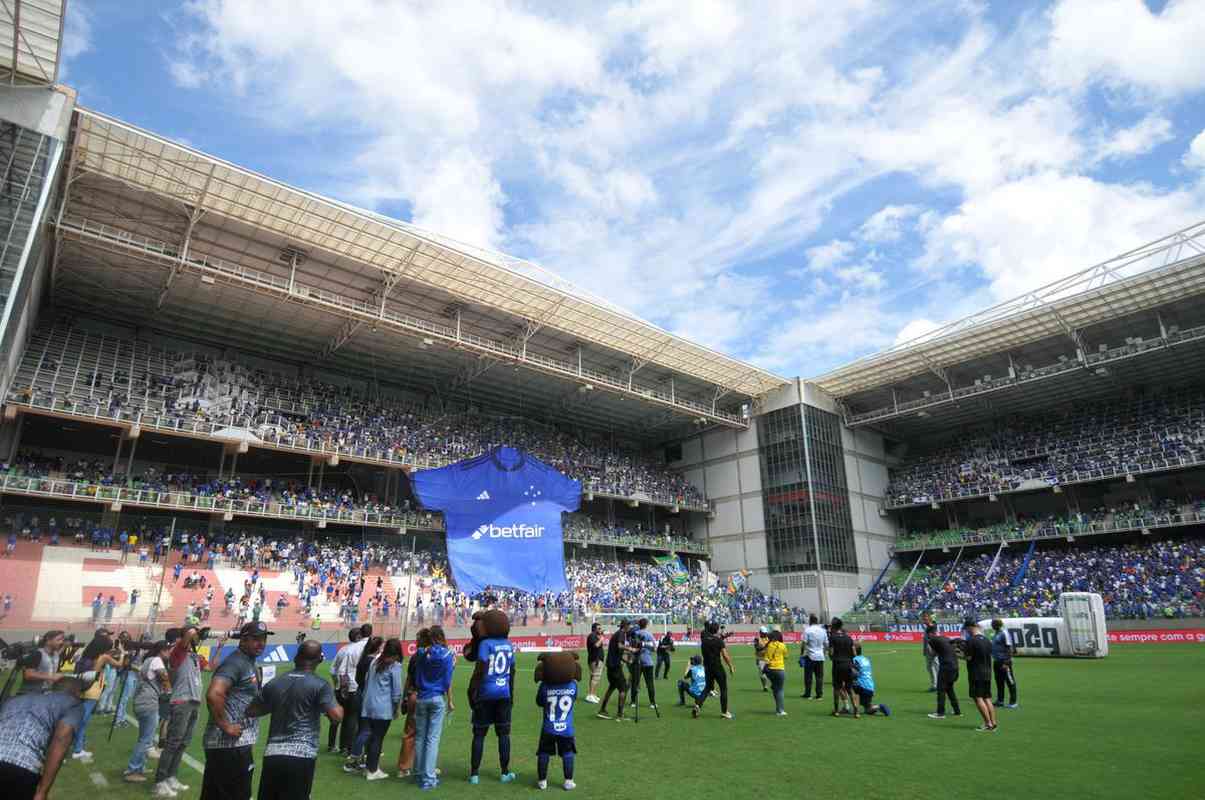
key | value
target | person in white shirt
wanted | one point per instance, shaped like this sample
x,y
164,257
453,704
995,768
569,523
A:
x,y
815,641
343,670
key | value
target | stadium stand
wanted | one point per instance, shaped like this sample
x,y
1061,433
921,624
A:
x,y
296,581
1097,521
1076,443
1136,581
73,371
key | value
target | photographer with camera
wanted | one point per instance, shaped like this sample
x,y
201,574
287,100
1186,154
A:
x,y
642,666
232,730
97,655
36,731
184,705
41,667
152,683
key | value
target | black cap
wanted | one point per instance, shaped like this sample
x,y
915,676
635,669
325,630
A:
x,y
253,630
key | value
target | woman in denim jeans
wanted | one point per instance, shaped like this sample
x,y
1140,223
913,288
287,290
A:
x,y
381,692
433,679
153,683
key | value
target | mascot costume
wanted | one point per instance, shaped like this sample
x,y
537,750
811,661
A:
x,y
557,675
491,689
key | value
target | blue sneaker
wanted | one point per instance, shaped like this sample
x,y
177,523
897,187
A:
x,y
886,711
508,777
474,779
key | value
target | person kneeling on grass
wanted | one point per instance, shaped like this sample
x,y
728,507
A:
x,y
693,683
864,685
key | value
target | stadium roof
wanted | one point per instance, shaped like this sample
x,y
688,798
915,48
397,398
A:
x,y
31,37
1144,278
146,162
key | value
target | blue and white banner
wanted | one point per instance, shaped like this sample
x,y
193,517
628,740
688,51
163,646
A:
x,y
503,516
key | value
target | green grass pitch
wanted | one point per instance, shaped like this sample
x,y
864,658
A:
x,y
1129,726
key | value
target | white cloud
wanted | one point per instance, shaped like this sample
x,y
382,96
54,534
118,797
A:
x,y
861,276
1122,42
1195,157
1031,232
887,224
1150,132
915,329
77,36
826,256
662,160
186,74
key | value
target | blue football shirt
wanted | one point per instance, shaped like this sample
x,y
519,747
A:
x,y
557,700
698,680
503,515
498,655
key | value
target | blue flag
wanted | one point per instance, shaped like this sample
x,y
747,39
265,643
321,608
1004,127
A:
x,y
1020,576
503,516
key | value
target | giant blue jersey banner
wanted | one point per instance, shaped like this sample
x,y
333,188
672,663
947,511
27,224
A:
x,y
503,516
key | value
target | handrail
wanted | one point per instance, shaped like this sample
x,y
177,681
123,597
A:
x,y
1121,522
89,492
1074,477
274,440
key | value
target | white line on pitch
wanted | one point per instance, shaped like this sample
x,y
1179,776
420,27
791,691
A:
x,y
192,762
99,780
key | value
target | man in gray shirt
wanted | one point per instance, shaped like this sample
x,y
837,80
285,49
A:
x,y
36,730
42,669
296,700
931,660
185,703
233,730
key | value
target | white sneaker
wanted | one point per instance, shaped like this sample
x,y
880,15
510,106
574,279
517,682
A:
x,y
153,752
592,698
174,782
570,786
379,775
163,789
653,706
727,715
780,713
541,784
83,756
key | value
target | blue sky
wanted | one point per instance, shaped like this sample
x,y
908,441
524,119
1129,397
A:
x,y
795,183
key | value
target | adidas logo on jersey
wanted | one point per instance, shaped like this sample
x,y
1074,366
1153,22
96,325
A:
x,y
277,655
485,495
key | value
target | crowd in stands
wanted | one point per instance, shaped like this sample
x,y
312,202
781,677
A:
x,y
1136,581
325,416
291,497
584,528
1105,518
1078,442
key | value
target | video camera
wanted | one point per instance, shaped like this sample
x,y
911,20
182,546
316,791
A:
x,y
172,634
16,651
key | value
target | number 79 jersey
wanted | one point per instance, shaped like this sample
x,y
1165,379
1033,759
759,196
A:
x,y
498,655
557,700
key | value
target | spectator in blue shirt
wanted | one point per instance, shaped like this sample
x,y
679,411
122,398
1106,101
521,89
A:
x,y
648,651
1002,665
433,679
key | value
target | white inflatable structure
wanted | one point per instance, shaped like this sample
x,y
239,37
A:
x,y
1079,633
